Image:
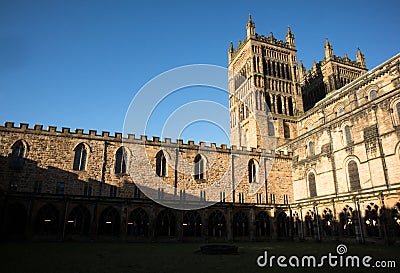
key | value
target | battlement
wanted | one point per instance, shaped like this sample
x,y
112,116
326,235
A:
x,y
261,38
132,138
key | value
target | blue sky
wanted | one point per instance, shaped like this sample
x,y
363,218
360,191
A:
x,y
78,64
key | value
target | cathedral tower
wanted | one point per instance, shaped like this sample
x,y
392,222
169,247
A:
x,y
263,71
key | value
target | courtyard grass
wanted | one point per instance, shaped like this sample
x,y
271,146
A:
x,y
82,257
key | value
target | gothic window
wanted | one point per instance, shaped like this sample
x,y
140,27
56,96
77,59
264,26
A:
x,y
373,95
262,222
290,104
47,220
216,224
109,222
347,132
198,167
161,164
253,171
240,224
268,101
279,105
311,149
166,223
18,150
286,131
17,155
78,221
192,224
80,157
138,223
120,162
312,185
354,177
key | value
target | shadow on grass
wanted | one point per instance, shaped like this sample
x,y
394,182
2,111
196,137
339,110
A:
x,y
61,257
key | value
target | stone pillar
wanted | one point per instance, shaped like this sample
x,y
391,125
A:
x,y
204,227
179,225
124,222
252,226
229,224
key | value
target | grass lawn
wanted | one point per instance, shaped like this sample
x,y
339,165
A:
x,y
80,257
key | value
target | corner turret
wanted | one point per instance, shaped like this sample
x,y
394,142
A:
x,y
250,28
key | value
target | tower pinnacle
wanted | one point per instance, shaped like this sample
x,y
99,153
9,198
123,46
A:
x,y
250,28
290,37
328,49
360,58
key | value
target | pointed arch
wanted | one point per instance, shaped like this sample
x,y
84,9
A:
x,y
192,224
166,223
353,175
161,164
47,220
138,223
240,224
78,221
263,228
253,171
80,158
120,161
312,185
109,222
216,224
199,167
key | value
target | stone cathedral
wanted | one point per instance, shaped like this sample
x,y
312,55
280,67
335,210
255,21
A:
x,y
335,171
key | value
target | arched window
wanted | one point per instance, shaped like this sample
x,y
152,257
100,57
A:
x,y
166,223
120,161
253,171
17,155
192,224
198,167
109,222
262,224
373,95
311,149
18,150
240,224
286,131
138,223
347,132
216,224
354,177
161,164
312,186
80,157
279,105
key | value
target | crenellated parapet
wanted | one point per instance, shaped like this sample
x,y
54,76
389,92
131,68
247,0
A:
x,y
132,139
